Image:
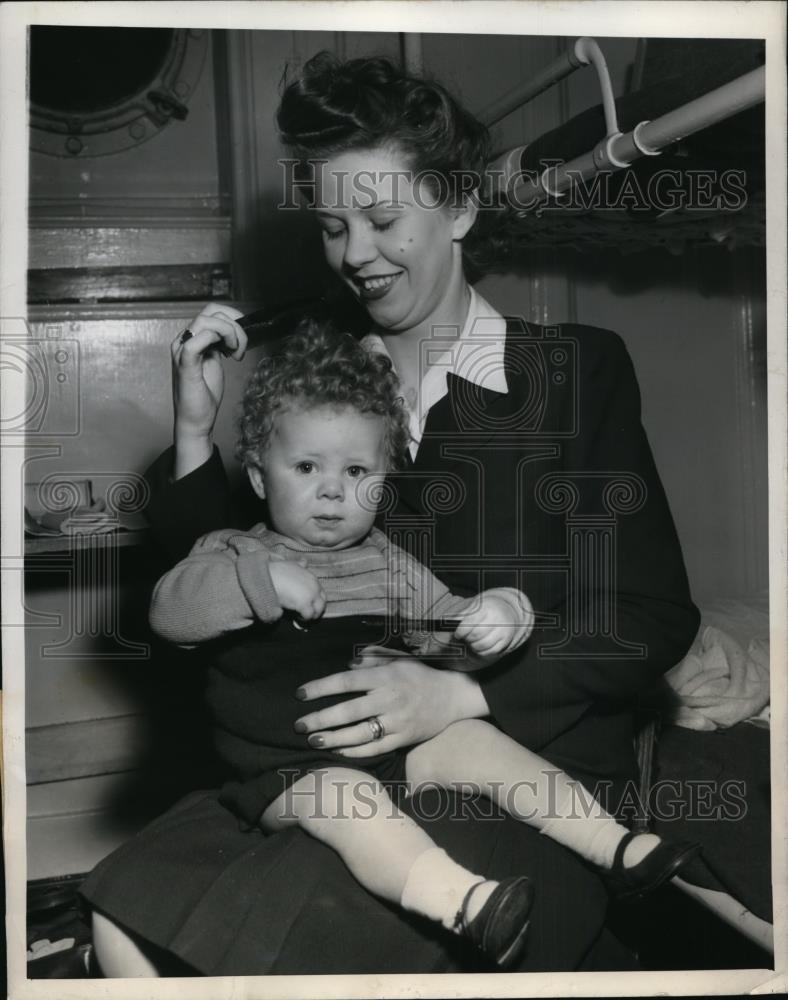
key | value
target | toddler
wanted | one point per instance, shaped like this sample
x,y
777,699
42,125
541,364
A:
x,y
322,424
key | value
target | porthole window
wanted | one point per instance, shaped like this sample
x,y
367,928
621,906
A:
x,y
95,91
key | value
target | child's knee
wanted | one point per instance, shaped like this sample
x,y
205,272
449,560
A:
x,y
451,757
337,793
342,788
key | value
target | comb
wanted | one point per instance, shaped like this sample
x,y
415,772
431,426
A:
x,y
265,325
415,624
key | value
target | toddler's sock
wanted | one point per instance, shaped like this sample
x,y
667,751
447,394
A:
x,y
436,887
581,824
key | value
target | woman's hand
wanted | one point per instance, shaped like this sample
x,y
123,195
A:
x,y
198,381
413,702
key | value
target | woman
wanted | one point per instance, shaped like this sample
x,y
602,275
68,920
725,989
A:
x,y
524,441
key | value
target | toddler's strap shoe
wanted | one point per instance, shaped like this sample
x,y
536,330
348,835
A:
x,y
659,865
499,929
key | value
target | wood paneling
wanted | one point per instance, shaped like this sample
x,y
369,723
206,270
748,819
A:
x,y
268,241
684,322
71,845
158,283
64,798
119,396
145,242
83,749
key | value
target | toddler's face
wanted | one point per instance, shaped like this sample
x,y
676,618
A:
x,y
319,472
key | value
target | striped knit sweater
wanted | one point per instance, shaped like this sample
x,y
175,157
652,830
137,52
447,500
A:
x,y
224,584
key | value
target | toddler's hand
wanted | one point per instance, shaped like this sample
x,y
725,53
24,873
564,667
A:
x,y
297,589
495,627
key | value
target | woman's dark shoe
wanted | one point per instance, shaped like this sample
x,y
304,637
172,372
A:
x,y
499,929
659,865
77,962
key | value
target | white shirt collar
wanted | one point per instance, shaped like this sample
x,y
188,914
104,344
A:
x,y
476,356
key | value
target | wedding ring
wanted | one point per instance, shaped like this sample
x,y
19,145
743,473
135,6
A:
x,y
186,335
376,727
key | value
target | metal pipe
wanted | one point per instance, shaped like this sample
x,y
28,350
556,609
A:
x,y
584,52
646,139
587,51
716,106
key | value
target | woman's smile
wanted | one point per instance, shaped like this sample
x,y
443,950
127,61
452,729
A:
x,y
376,286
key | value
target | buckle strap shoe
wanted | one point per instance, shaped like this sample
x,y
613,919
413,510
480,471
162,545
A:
x,y
659,865
499,929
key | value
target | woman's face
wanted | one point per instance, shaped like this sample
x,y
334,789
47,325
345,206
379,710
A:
x,y
387,239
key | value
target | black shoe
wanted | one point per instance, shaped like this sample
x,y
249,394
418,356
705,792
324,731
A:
x,y
77,962
499,929
658,866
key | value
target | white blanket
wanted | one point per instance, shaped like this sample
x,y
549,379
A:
x,y
724,679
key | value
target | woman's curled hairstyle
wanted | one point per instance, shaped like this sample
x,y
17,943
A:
x,y
317,365
336,106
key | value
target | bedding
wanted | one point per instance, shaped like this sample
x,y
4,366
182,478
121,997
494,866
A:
x,y
724,678
710,780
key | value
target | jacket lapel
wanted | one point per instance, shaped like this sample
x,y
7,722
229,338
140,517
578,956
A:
x,y
471,416
477,414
